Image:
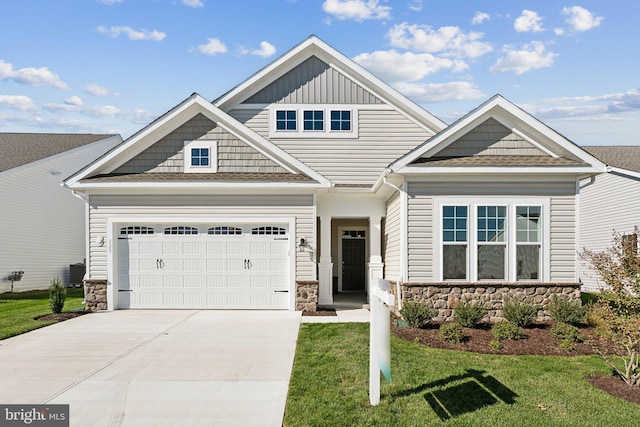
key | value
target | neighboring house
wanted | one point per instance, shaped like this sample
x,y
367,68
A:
x,y
43,224
313,176
609,202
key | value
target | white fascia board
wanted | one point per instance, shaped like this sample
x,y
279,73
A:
x,y
496,107
192,185
621,171
133,145
313,46
471,170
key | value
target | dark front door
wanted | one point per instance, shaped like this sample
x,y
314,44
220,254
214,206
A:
x,y
353,264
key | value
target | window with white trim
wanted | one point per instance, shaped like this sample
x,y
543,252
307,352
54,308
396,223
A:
x,y
483,241
314,121
200,156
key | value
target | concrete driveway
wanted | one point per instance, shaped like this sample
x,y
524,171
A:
x,y
157,368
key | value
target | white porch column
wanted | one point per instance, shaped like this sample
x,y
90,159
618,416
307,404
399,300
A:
x,y
375,250
325,267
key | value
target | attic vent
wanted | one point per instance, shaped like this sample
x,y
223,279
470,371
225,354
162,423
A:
x,y
224,230
136,229
180,230
268,231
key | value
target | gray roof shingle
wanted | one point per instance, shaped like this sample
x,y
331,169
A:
x,y
17,149
618,156
496,161
200,177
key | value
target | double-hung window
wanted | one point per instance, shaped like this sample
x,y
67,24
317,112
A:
x,y
484,241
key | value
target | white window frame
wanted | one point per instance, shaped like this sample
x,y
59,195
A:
x,y
213,156
301,133
511,202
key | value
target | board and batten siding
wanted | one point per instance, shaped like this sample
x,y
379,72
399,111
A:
x,y
392,239
208,208
384,136
167,154
43,224
610,203
562,221
313,82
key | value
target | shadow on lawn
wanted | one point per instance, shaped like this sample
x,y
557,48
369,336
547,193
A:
x,y
459,394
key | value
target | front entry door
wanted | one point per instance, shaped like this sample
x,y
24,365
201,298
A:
x,y
353,265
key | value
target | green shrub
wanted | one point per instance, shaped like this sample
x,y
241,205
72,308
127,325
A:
x,y
451,332
417,314
57,295
507,331
565,311
496,345
521,313
468,314
566,332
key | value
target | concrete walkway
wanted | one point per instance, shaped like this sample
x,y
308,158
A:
x,y
157,368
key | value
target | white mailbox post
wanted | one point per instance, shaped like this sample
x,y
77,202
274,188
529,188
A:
x,y
379,335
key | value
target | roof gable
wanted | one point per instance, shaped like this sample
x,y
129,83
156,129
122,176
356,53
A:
x,y
19,149
339,65
498,137
121,159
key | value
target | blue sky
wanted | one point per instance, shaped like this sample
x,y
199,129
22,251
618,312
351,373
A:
x,y
115,65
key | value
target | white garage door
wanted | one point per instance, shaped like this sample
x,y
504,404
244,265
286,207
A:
x,y
203,266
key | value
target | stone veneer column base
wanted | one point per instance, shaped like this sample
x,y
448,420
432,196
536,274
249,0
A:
x,y
445,296
95,294
306,295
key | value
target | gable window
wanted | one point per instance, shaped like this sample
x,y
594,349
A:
x,y
313,120
286,120
482,241
200,156
340,120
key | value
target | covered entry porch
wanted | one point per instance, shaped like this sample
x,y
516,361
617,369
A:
x,y
349,230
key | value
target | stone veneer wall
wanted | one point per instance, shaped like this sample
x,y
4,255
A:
x,y
95,294
446,296
307,295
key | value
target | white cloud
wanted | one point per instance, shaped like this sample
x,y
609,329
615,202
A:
x,y
479,18
580,19
97,90
440,92
532,56
416,6
358,10
529,21
193,3
31,76
558,31
109,2
266,50
153,35
17,102
392,66
588,105
450,41
74,100
212,47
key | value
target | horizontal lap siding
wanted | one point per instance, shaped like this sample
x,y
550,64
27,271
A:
x,y
609,203
384,136
563,239
420,235
392,238
207,208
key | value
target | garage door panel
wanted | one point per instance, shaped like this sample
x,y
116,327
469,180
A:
x,y
238,269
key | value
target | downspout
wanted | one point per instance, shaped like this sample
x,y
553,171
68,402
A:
x,y
85,199
399,280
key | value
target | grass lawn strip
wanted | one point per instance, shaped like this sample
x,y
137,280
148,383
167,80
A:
x,y
329,386
18,310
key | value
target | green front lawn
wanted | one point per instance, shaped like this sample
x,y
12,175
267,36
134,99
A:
x,y
18,310
330,380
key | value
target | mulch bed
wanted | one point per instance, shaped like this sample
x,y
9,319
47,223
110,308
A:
x,y
538,342
321,311
59,317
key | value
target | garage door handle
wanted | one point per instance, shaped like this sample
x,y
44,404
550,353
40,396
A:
x,y
125,290
280,291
